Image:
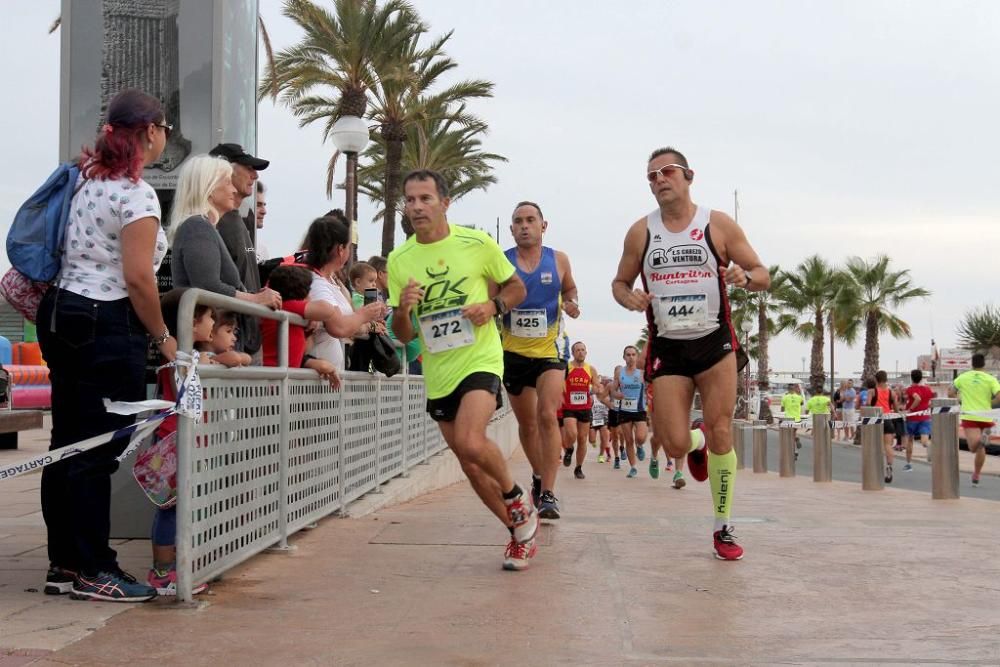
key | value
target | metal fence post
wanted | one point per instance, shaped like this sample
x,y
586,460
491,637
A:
x,y
738,443
786,450
760,445
872,456
944,451
404,438
378,435
283,439
342,420
822,449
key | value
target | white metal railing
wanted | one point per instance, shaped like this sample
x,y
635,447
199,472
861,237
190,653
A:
x,y
278,449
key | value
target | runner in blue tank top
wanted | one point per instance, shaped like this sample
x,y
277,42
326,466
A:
x,y
630,390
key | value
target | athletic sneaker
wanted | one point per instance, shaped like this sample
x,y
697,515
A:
x,y
165,582
578,473
567,457
725,545
632,473
518,555
621,451
59,581
670,464
679,481
888,474
698,459
654,468
601,459
548,506
523,517
640,452
111,587
618,463
975,479
908,467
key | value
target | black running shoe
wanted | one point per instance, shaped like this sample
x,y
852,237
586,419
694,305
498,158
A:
x,y
888,474
548,507
59,581
578,473
567,457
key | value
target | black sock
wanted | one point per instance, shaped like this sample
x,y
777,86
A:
x,y
513,493
511,529
536,483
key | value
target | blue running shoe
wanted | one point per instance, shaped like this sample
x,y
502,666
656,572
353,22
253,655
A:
x,y
632,472
548,506
640,452
618,463
111,587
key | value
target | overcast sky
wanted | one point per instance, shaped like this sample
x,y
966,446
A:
x,y
848,128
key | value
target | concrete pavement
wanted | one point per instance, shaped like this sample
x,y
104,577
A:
x,y
832,575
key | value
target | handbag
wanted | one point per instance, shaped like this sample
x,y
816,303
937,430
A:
x,y
23,293
155,469
383,355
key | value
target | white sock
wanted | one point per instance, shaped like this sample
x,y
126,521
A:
x,y
721,523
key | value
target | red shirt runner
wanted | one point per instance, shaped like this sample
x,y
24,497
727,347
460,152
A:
x,y
924,394
577,393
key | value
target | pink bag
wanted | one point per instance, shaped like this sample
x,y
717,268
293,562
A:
x,y
155,469
23,293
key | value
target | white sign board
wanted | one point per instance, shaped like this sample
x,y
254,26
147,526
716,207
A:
x,y
955,359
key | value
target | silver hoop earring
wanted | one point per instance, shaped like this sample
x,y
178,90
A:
x,y
150,145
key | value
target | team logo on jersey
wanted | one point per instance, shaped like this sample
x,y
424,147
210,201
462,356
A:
x,y
546,278
435,276
442,295
657,238
697,234
677,256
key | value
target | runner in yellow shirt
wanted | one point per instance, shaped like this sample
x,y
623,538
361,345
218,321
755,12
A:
x,y
791,403
977,389
440,279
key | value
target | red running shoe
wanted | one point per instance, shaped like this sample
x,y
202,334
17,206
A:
x,y
698,459
523,518
519,554
725,545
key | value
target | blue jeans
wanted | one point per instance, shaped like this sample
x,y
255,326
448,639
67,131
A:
x,y
95,350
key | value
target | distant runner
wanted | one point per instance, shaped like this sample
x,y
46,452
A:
x,y
629,387
978,391
581,381
599,432
882,396
918,399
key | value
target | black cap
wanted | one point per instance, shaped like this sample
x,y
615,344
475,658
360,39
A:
x,y
235,154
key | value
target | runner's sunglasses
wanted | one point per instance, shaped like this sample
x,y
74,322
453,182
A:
x,y
666,170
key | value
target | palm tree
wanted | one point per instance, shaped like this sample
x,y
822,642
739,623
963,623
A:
x,y
767,310
402,98
979,330
871,293
343,57
808,294
444,145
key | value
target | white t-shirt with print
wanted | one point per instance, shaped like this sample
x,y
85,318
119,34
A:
x,y
326,346
92,258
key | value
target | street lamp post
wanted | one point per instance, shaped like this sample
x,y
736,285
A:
x,y
350,136
746,326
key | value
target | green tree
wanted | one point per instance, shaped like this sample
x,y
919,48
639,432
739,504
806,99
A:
x,y
979,329
808,295
403,97
872,291
445,145
767,311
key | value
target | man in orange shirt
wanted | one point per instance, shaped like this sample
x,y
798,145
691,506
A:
x,y
582,381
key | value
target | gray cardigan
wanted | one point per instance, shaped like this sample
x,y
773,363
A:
x,y
200,259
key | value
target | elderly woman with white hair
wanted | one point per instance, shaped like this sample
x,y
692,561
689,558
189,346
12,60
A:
x,y
200,259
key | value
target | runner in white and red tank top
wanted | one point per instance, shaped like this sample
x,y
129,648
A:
x,y
687,255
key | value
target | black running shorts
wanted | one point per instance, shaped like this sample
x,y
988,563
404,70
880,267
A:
x,y
579,415
445,409
520,371
629,417
690,357
613,419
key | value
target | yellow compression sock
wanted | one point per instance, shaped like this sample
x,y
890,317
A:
x,y
722,478
697,439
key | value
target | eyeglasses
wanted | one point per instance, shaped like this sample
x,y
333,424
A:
x,y
167,129
666,170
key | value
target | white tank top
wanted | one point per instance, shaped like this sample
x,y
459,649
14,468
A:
x,y
681,271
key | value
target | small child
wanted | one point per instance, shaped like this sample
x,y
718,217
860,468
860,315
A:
x,y
221,346
163,575
363,276
292,282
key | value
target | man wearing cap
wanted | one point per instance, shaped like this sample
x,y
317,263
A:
x,y
236,234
